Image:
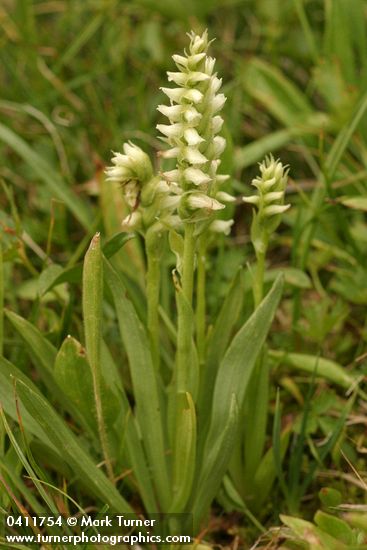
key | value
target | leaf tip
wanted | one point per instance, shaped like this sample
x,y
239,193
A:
x,y
95,242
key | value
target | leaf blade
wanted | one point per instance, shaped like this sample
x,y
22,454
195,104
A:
x,y
148,405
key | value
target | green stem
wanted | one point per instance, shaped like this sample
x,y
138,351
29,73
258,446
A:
x,y
184,329
153,291
257,401
188,262
258,285
201,301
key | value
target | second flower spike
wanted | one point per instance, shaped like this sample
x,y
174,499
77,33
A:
x,y
269,201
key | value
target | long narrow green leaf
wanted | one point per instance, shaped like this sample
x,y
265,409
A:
x,y
9,373
148,408
46,173
281,97
277,448
225,322
137,458
231,383
342,141
109,370
256,150
92,317
1,300
125,426
67,444
256,413
72,373
326,368
192,366
43,352
214,465
51,505
266,472
306,26
238,363
218,341
80,40
22,488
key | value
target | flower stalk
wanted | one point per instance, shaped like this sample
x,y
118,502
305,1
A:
x,y
201,299
192,135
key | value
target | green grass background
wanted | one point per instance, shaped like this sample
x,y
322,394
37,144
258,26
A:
x,y
80,77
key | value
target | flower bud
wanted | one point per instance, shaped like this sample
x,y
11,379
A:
x,y
275,209
196,200
225,197
196,176
221,226
132,222
133,165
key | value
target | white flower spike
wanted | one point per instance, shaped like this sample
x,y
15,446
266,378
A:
x,y
271,185
269,201
193,128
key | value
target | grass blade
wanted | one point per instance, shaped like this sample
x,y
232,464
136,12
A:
x,y
45,172
8,373
326,368
67,444
1,300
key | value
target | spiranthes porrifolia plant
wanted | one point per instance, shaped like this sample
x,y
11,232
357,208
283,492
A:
x,y
269,202
196,146
269,205
183,201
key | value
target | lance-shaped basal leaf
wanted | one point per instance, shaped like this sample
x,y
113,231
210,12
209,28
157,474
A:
x,y
215,465
231,383
237,365
148,404
43,355
73,374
